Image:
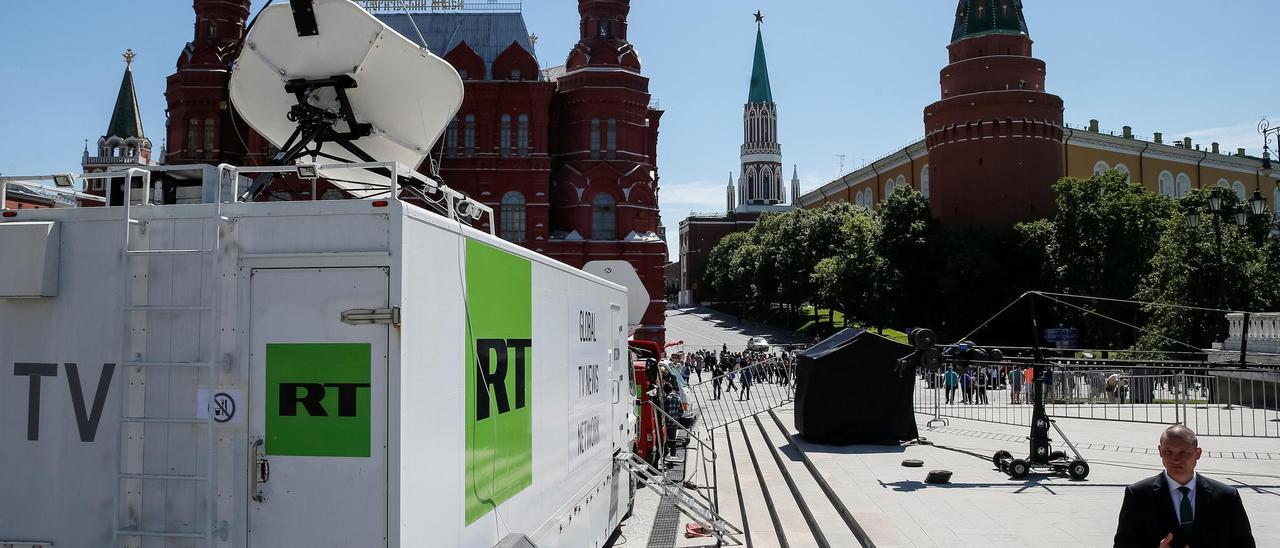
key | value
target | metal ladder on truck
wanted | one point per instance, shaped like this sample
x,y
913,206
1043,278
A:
x,y
690,505
144,498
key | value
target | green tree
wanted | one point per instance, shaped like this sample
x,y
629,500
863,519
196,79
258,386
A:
x,y
851,279
1186,271
1099,243
908,244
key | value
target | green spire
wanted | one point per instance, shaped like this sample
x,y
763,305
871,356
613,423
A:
x,y
982,17
125,120
760,90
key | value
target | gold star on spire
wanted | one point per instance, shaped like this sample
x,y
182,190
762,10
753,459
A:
x,y
759,17
128,57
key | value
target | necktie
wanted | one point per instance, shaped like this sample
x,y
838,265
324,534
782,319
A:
x,y
1185,509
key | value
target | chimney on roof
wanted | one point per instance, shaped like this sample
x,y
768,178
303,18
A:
x,y
1215,148
1240,152
1093,126
1159,138
1128,132
1186,142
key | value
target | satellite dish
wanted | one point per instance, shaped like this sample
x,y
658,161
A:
x,y
625,275
335,82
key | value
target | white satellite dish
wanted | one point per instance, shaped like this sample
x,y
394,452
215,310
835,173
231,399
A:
x,y
333,54
625,275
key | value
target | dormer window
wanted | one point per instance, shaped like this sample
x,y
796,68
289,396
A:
x,y
603,28
515,74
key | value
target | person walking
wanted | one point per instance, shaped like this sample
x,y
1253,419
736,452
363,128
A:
x,y
1178,507
951,380
1029,383
672,408
744,376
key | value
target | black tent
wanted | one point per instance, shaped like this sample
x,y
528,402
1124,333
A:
x,y
849,391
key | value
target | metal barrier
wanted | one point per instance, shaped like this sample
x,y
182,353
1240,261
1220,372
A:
x,y
1212,401
731,396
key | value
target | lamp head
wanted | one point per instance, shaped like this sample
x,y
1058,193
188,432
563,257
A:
x,y
1257,203
64,180
1192,217
1215,200
1242,217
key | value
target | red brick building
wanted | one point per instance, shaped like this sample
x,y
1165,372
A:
x,y
566,157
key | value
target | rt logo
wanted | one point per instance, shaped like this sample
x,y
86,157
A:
x,y
309,396
494,357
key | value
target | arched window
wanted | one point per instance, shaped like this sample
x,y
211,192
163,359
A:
x,y
902,181
612,140
603,217
1224,183
1100,168
514,217
1184,185
924,181
1166,184
1238,186
595,138
504,136
1123,169
523,139
888,190
753,193
210,140
470,137
766,184
1275,201
193,138
451,138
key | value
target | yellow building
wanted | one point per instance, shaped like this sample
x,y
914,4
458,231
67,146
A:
x,y
1170,168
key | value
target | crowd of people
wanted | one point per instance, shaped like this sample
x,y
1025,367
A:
x,y
735,371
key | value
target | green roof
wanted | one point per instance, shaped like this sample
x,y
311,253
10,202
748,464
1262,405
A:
x,y
982,17
125,120
760,90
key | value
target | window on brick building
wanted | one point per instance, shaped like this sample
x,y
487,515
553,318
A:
x,y
209,138
613,139
595,138
504,139
523,139
193,137
514,217
603,217
451,138
470,136
924,182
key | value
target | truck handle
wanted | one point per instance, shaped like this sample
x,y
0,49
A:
x,y
259,470
617,390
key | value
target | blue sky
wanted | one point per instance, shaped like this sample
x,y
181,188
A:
x,y
851,77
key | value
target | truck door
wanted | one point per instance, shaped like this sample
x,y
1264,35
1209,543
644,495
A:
x,y
622,429
318,413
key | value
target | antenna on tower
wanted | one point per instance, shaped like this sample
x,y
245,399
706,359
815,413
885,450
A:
x,y
841,157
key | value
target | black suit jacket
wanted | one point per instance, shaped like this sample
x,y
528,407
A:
x,y
1147,516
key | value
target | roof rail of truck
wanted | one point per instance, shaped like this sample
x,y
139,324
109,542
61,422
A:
x,y
222,184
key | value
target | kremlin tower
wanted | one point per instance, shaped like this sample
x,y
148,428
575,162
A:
x,y
995,137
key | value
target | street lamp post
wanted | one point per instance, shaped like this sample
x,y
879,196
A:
x,y
1258,204
1217,210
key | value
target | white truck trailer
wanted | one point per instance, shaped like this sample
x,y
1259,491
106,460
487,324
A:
x,y
318,373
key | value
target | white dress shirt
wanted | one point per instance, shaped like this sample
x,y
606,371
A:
x,y
1177,495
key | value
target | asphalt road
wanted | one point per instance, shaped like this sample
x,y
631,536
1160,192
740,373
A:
x,y
704,328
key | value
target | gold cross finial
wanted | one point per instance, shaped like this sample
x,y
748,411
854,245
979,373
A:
x,y
128,57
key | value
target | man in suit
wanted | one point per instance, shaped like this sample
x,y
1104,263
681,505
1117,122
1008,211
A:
x,y
1179,507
